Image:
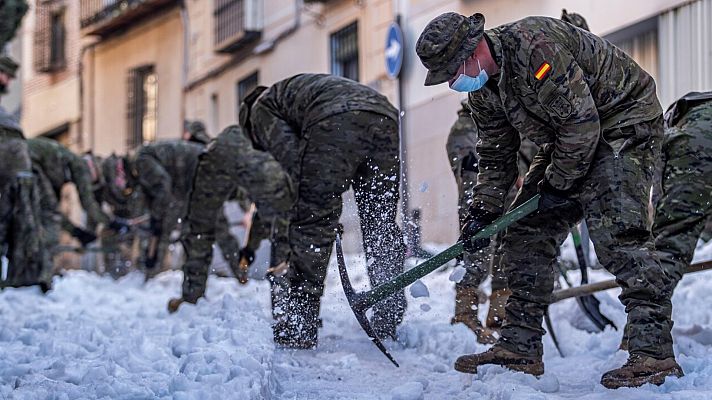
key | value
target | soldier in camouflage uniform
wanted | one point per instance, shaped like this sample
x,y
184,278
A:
x,y
194,131
684,208
54,166
21,235
230,164
164,172
464,163
594,113
330,133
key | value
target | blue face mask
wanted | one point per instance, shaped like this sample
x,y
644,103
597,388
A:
x,y
465,83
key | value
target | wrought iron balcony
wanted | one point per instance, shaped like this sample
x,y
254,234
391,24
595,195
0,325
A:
x,y
104,17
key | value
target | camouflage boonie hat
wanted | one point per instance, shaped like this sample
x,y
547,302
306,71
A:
x,y
246,108
8,66
574,19
197,131
446,42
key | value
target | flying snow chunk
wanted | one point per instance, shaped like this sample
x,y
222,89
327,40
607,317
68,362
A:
x,y
418,289
457,274
408,391
425,307
424,187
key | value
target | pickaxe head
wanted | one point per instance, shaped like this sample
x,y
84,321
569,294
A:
x,y
357,303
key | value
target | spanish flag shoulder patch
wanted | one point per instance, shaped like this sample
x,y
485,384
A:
x,y
542,71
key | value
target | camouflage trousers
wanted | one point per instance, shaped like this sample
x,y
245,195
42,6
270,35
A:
x,y
614,197
357,149
685,206
21,234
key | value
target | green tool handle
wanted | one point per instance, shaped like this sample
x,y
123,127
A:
x,y
372,297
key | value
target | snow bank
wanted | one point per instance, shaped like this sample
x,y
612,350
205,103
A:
x,y
94,337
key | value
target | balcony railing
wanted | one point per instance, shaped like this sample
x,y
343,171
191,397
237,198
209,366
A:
x,y
103,17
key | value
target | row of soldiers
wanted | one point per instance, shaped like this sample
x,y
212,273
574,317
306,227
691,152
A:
x,y
590,109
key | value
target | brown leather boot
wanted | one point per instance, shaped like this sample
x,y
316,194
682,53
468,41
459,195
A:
x,y
500,356
641,369
495,314
466,302
174,304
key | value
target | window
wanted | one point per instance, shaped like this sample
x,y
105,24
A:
x,y
244,87
229,19
344,52
142,105
49,36
57,39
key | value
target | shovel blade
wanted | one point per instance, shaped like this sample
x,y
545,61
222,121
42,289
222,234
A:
x,y
356,306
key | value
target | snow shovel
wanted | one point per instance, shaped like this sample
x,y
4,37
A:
x,y
361,302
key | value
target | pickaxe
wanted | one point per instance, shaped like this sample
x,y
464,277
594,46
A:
x,y
361,302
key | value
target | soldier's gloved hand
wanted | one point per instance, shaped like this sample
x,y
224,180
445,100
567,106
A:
x,y
156,227
248,254
84,236
119,226
151,260
552,198
475,222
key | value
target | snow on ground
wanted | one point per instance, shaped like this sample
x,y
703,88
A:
x,y
93,337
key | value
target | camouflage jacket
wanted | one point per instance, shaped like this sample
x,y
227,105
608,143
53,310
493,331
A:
x,y
61,166
11,13
303,100
164,171
231,162
558,86
9,126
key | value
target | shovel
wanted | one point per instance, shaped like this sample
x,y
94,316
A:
x,y
361,302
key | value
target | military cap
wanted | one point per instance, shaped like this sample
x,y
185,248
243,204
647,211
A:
x,y
574,19
246,106
8,65
197,131
446,42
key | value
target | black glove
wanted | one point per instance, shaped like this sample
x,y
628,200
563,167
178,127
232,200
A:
x,y
156,227
552,198
469,163
119,226
150,261
248,254
475,222
84,236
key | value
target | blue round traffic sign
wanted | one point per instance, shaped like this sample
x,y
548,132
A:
x,y
394,51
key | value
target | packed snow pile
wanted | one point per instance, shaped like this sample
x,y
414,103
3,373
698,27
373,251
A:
x,y
93,337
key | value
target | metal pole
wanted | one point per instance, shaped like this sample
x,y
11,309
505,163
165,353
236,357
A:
x,y
405,201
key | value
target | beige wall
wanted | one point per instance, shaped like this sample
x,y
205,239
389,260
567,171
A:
x,y
158,41
306,50
51,100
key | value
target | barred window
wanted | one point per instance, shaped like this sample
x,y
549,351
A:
x,y
229,19
244,87
344,52
142,105
49,36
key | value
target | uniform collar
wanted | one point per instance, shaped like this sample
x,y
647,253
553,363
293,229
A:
x,y
496,49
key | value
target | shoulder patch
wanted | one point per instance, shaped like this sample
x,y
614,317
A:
x,y
542,71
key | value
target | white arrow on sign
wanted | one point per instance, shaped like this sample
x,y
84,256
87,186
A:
x,y
393,50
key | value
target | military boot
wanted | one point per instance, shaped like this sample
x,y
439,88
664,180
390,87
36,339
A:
x,y
641,369
467,299
299,327
495,314
497,355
